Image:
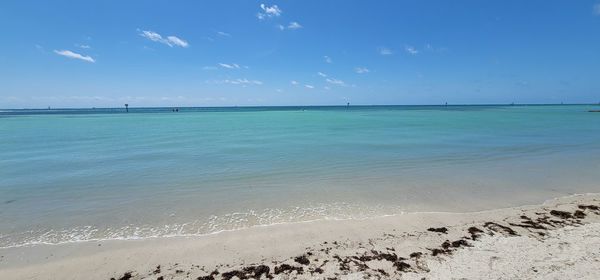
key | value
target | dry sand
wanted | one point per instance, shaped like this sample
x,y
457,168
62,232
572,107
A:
x,y
559,239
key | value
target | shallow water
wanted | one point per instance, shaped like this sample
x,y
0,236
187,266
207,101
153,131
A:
x,y
85,174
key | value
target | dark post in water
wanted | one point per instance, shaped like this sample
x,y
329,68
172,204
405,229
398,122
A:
x,y
127,108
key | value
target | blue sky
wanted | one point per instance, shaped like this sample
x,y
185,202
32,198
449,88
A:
x,y
240,53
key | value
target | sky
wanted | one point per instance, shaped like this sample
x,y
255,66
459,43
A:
x,y
261,53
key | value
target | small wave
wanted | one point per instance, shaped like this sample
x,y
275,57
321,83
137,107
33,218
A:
x,y
199,227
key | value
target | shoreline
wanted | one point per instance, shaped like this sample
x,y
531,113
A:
x,y
326,219
374,240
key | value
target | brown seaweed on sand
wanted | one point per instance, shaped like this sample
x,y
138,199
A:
x,y
500,228
247,272
474,232
579,214
561,214
302,260
416,255
443,230
126,276
590,207
286,268
211,276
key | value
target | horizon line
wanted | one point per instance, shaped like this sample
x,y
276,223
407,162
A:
x,y
291,106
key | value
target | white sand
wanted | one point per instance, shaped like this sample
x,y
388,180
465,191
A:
x,y
562,252
567,253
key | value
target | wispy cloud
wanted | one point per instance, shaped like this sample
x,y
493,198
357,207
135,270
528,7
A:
x,y
292,26
153,36
74,55
322,74
170,41
430,48
177,41
294,83
361,70
596,9
209,68
83,46
309,86
224,34
384,51
328,59
243,82
268,12
335,82
229,66
411,50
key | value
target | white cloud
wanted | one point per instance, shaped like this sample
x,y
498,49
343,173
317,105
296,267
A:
x,y
294,25
71,54
294,83
361,70
83,46
430,48
243,82
169,41
309,86
328,59
177,41
385,51
229,66
597,9
326,88
153,36
335,82
322,74
411,50
268,12
224,34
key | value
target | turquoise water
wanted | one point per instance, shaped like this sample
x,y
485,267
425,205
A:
x,y
73,175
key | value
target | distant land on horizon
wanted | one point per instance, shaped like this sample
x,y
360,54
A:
x,y
299,106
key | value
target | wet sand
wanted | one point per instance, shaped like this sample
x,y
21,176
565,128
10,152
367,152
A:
x,y
558,239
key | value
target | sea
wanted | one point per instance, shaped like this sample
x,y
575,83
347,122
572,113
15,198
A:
x,y
76,175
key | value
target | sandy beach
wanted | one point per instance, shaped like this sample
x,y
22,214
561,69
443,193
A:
x,y
558,239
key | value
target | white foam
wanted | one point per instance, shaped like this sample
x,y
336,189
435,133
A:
x,y
211,225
